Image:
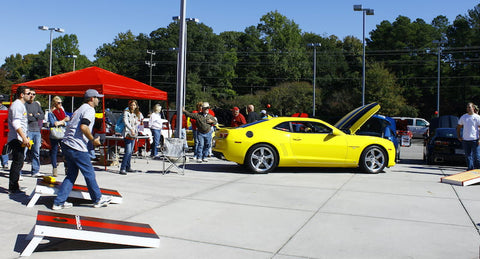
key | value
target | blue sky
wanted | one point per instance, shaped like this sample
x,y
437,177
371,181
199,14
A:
x,y
98,22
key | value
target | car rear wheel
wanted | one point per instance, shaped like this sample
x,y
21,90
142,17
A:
x,y
262,158
373,160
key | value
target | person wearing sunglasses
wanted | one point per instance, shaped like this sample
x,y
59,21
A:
x,y
35,115
56,118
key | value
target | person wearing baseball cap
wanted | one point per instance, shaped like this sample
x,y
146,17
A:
x,y
74,147
238,118
204,122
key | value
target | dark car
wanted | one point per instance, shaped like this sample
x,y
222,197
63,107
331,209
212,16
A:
x,y
443,146
384,127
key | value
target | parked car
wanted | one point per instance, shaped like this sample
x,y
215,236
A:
x,y
384,127
264,145
441,142
417,126
444,146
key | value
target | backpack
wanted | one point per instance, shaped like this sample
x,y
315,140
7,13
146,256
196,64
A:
x,y
120,125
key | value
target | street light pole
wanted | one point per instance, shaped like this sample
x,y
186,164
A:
x,y
314,45
365,11
151,64
439,52
182,48
74,57
60,30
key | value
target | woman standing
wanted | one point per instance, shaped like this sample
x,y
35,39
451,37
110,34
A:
x,y
56,118
132,117
156,128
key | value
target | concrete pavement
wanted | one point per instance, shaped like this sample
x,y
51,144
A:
x,y
220,210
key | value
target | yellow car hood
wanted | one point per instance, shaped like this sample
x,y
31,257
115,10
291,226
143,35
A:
x,y
356,118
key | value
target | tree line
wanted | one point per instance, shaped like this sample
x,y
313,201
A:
x,y
270,65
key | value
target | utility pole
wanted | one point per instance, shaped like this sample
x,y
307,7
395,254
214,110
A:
x,y
151,64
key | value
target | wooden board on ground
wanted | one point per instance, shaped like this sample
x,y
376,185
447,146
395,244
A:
x,y
463,179
51,224
78,191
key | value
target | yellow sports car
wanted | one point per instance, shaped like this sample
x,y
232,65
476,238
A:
x,y
306,142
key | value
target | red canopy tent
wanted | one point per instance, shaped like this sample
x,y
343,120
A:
x,y
105,82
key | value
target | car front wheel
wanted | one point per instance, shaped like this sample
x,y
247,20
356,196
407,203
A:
x,y
262,158
373,160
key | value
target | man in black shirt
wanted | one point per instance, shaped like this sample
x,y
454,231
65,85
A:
x,y
252,115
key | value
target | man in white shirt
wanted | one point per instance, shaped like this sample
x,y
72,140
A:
x,y
17,136
470,123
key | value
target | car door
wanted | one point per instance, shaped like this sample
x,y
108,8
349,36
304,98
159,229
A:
x,y
314,144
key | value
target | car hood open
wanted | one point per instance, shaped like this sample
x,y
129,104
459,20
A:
x,y
351,122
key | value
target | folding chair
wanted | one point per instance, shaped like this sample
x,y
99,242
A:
x,y
173,154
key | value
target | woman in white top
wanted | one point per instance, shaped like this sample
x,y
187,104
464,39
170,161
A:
x,y
132,117
156,128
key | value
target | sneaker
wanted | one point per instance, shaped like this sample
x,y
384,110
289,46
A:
x,y
123,172
199,160
103,202
37,175
65,205
205,160
5,167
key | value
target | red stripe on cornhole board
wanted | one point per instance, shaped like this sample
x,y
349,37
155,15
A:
x,y
79,188
95,224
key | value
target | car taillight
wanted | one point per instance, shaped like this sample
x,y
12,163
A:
x,y
441,142
223,135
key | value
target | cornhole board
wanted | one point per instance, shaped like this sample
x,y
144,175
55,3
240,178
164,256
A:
x,y
51,224
463,179
78,191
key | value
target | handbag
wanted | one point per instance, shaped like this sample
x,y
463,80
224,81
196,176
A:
x,y
57,132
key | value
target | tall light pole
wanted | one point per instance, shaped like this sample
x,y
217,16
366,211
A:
x,y
74,58
151,64
196,20
45,28
365,11
182,48
439,53
314,45
60,30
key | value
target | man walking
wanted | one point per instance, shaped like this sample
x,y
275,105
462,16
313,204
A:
x,y
35,117
74,147
470,123
17,136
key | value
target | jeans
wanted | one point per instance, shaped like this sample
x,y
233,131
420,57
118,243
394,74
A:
x,y
471,153
36,136
18,156
129,144
156,142
195,142
77,160
204,143
54,151
5,160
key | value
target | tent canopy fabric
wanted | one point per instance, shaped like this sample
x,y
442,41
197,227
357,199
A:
x,y
105,82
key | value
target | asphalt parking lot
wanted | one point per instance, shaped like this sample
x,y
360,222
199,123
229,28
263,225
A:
x,y
220,210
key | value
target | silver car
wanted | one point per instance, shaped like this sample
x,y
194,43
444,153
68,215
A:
x,y
418,126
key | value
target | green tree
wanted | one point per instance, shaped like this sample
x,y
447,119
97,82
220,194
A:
x,y
383,89
291,97
287,57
